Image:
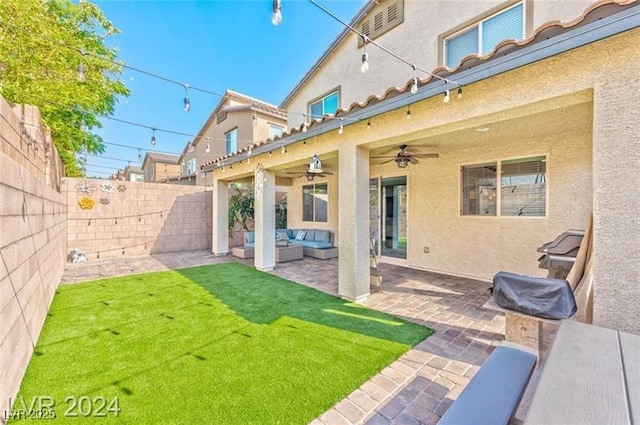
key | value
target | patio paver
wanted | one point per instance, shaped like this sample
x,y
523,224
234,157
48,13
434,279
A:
x,y
415,389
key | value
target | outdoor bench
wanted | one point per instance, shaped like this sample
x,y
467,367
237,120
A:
x,y
494,393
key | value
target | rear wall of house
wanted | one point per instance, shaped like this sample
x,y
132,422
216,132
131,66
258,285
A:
x,y
32,240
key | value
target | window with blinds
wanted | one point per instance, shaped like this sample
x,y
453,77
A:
x,y
522,191
524,187
479,190
481,37
384,18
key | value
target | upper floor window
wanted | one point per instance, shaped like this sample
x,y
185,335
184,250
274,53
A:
x,y
275,130
191,166
482,36
521,189
326,105
231,138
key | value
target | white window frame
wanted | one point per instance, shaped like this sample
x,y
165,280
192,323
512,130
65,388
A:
x,y
191,169
336,91
313,207
280,128
226,140
498,163
479,23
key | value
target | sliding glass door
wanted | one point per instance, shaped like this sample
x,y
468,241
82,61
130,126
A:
x,y
388,216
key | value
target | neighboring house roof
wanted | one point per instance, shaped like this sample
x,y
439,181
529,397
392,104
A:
x,y
251,103
133,170
366,8
163,158
543,33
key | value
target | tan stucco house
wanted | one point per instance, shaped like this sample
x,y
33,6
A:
x,y
545,132
158,167
237,121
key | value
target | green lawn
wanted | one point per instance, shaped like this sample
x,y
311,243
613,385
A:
x,y
213,344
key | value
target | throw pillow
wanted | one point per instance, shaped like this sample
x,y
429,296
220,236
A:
x,y
300,235
281,235
323,236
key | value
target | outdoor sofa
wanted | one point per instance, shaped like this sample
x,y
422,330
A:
x,y
316,243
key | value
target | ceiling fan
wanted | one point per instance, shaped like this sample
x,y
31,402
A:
x,y
314,170
404,157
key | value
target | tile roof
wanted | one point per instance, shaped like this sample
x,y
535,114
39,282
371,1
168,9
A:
x,y
164,157
544,32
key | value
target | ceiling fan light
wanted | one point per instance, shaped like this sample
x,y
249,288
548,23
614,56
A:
x,y
402,162
310,176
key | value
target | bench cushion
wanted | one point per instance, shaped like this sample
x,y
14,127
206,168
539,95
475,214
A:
x,y
494,393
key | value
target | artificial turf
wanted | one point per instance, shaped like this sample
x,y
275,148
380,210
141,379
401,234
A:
x,y
213,344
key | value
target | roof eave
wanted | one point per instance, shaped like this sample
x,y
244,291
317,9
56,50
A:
x,y
465,74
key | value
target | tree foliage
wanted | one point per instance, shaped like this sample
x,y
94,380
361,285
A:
x,y
42,44
241,207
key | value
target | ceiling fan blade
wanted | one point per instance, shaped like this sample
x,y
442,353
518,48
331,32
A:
x,y
425,155
384,157
413,159
294,172
389,160
327,173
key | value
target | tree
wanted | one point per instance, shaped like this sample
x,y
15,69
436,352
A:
x,y
241,207
42,45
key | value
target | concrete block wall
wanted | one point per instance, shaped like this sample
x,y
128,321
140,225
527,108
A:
x,y
138,218
32,239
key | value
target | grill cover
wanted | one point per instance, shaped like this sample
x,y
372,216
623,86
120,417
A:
x,y
536,296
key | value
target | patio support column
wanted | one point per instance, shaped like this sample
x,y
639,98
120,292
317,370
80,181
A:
x,y
353,222
220,222
616,204
265,219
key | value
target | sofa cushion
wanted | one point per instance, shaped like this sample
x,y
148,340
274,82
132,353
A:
x,y
249,245
313,244
281,235
291,233
249,237
322,236
300,234
310,235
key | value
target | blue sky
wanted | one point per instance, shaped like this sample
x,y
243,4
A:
x,y
214,45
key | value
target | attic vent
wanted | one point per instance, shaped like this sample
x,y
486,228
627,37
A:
x,y
366,28
383,17
377,22
392,12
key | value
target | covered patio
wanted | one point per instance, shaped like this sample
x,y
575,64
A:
x,y
420,385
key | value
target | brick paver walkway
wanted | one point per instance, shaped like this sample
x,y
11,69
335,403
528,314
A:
x,y
419,386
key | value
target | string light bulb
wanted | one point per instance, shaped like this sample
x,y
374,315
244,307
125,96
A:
x,y
447,96
139,155
187,102
369,123
341,129
414,85
254,117
276,15
283,150
364,66
459,92
207,148
153,137
408,111
304,127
